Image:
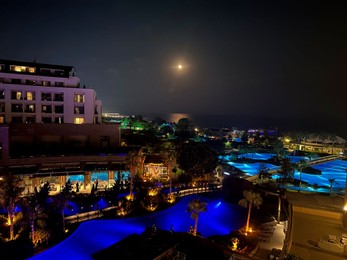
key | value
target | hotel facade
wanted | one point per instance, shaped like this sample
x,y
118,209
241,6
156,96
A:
x,y
51,128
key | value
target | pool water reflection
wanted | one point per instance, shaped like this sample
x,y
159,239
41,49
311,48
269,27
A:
x,y
95,235
333,170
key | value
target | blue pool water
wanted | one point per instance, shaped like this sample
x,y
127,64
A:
x,y
330,170
251,169
95,235
264,157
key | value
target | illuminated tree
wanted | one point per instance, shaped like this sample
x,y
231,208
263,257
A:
x,y
135,161
36,216
250,199
195,207
10,192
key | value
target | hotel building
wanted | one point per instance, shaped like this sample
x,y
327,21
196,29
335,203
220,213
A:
x,y
51,127
33,92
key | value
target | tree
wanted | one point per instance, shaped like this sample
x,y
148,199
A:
x,y
135,161
332,181
250,199
62,200
196,158
299,166
278,147
287,169
195,207
10,192
263,172
184,128
36,216
170,161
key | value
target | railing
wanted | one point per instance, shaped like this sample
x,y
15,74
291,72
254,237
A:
x,y
99,213
198,190
87,215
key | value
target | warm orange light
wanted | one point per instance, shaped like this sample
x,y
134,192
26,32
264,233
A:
x,y
179,66
153,192
130,197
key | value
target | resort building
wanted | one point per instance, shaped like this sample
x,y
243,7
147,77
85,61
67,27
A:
x,y
316,143
51,128
33,92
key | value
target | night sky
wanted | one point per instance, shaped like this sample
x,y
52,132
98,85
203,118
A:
x,y
283,60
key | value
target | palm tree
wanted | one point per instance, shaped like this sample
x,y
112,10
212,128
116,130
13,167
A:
x,y
36,216
10,194
250,199
134,163
170,159
286,169
62,200
195,207
332,181
299,166
263,172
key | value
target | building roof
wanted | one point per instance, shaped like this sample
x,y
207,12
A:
x,y
328,139
66,69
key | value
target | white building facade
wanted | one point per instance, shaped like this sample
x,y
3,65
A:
x,y
33,92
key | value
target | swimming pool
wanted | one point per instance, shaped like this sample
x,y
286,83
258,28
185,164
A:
x,y
335,169
263,157
93,236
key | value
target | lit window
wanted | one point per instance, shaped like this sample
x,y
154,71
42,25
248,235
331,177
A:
x,y
30,96
2,119
79,120
18,95
22,69
79,98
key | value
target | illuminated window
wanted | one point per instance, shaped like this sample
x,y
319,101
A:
x,y
46,83
79,98
16,95
59,120
22,69
2,66
46,109
79,120
30,108
79,110
17,108
30,120
30,96
2,119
